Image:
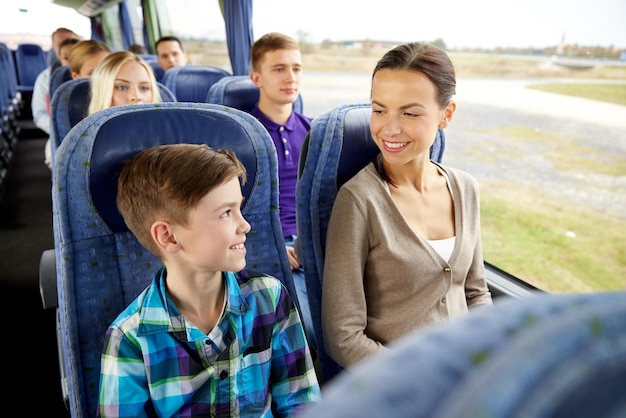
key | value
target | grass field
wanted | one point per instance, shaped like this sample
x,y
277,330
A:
x,y
558,247
610,93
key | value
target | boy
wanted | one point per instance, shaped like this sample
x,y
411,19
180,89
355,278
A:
x,y
200,340
277,72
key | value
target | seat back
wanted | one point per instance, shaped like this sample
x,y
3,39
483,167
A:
x,y
558,356
70,104
101,267
239,91
338,145
191,83
9,74
58,76
152,60
30,60
10,106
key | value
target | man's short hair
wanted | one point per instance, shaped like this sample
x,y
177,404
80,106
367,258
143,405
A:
x,y
267,43
169,39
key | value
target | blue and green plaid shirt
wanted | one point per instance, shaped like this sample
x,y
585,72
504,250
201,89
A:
x,y
254,363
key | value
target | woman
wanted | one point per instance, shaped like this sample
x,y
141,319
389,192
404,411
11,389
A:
x,y
403,245
85,56
122,78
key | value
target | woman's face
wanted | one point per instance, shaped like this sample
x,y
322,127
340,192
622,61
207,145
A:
x,y
90,64
405,114
132,85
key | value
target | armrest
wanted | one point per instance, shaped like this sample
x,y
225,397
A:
x,y
48,279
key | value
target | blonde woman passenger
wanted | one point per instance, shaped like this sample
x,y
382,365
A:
x,y
122,78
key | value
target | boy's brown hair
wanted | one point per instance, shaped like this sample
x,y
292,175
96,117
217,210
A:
x,y
269,42
167,181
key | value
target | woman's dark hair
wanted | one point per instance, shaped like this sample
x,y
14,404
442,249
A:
x,y
427,59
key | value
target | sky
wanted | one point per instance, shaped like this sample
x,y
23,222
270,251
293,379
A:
x,y
460,23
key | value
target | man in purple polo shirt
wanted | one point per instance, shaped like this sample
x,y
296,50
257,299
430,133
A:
x,y
277,72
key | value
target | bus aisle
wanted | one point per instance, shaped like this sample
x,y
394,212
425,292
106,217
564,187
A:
x,y
29,344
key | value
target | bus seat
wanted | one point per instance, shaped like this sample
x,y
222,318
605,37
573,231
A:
x,y
191,83
152,60
548,355
239,91
148,57
30,60
10,100
100,265
70,103
51,57
338,145
10,73
58,76
158,71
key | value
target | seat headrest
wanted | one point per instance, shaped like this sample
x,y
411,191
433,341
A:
x,y
239,91
358,148
79,101
143,126
191,83
58,76
242,94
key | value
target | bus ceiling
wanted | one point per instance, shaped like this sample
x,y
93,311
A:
x,y
88,8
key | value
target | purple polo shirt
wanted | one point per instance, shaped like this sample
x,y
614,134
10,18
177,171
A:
x,y
288,139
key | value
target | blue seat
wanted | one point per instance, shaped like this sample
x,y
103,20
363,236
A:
x,y
239,91
152,60
8,64
10,104
338,145
545,356
30,60
69,105
100,265
191,83
58,75
51,58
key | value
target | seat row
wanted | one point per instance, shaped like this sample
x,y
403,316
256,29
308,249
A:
x,y
101,267
18,71
70,98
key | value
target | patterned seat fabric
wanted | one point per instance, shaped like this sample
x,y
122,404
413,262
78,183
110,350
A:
x,y
191,83
557,356
100,265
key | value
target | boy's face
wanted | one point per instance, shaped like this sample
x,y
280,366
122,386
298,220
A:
x,y
213,239
279,76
